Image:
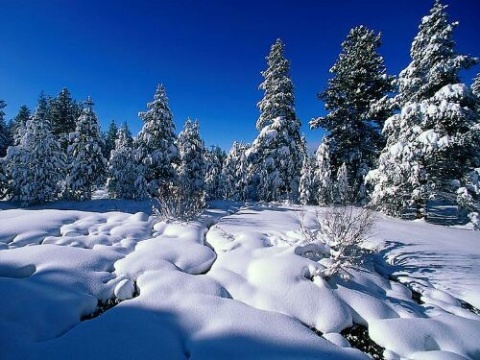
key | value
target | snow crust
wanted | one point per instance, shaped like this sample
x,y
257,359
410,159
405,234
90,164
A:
x,y
236,284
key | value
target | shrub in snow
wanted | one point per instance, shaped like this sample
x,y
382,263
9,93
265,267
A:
x,y
359,80
174,202
156,142
343,230
87,167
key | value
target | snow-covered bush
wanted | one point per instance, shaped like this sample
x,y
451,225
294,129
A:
x,y
341,230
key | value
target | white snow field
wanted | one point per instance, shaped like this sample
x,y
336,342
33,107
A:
x,y
233,285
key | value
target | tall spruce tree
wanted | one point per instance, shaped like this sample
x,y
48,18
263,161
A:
x,y
64,113
36,164
432,142
276,155
88,167
434,61
354,126
156,143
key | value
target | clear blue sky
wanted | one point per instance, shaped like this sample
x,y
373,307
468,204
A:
x,y
208,54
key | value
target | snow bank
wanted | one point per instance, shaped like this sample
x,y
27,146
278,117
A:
x,y
231,285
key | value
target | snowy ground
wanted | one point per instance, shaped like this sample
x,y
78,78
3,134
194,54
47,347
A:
x,y
231,286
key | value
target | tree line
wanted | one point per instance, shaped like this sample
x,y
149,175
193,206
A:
x,y
395,143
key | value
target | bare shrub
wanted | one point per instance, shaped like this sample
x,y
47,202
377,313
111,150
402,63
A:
x,y
342,229
177,202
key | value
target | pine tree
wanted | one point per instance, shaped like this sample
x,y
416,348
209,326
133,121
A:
x,y
278,99
306,187
354,126
17,127
214,182
476,86
235,173
156,143
322,177
4,131
434,62
276,156
36,164
4,144
109,139
125,179
191,171
342,190
432,141
87,167
64,113
476,92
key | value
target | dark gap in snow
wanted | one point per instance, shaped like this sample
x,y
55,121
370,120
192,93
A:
x,y
469,307
104,305
358,337
416,296
316,331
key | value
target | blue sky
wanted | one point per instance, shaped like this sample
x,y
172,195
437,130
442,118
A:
x,y
208,54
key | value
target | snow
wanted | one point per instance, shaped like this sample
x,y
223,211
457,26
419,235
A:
x,y
235,284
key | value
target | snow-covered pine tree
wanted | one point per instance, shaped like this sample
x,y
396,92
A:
x,y
342,191
185,198
88,167
125,179
276,155
36,164
191,171
431,141
156,143
235,173
109,139
64,113
17,127
322,177
4,143
434,61
214,183
354,126
4,131
476,92
306,187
